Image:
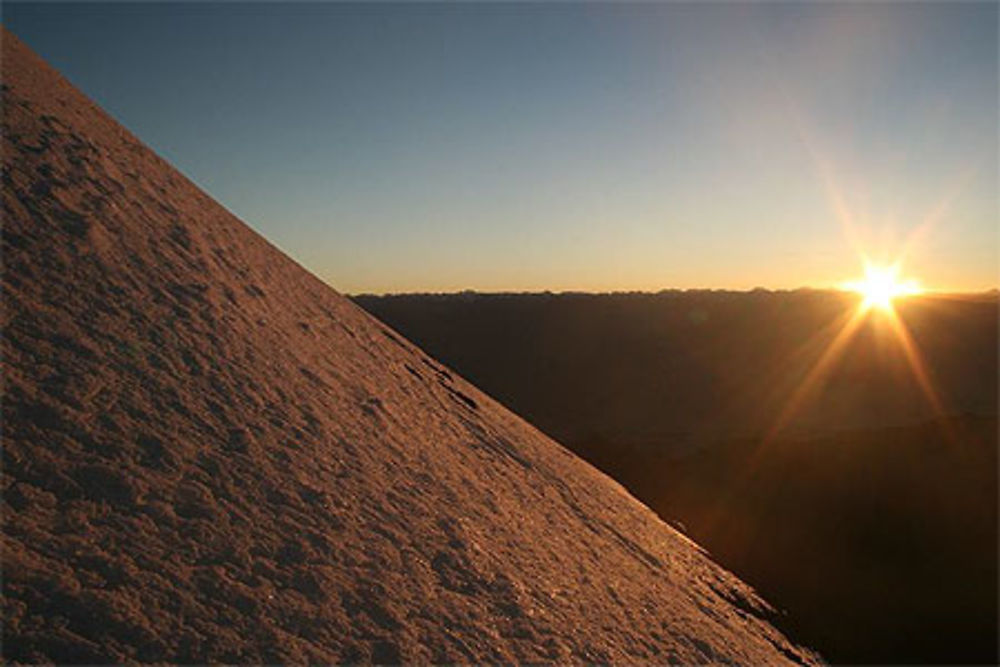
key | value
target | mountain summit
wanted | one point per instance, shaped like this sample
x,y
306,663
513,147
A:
x,y
210,455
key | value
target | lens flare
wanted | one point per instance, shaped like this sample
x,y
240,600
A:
x,y
880,286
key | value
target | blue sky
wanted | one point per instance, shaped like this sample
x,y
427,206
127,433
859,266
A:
x,y
566,146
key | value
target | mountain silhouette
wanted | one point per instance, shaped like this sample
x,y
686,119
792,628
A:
x,y
211,455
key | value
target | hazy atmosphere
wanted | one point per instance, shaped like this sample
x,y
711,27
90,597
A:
x,y
567,147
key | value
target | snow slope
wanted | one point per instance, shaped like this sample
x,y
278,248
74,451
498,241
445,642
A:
x,y
210,455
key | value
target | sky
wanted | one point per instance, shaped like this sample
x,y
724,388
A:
x,y
580,146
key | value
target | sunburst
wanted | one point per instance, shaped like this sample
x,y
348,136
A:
x,y
881,286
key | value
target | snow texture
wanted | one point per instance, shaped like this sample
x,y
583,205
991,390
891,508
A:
x,y
210,455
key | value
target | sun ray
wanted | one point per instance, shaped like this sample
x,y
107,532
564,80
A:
x,y
937,213
915,362
824,169
816,373
803,355
812,379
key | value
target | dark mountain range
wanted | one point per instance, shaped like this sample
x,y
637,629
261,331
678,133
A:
x,y
869,516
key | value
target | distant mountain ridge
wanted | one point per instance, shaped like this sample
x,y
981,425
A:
x,y
211,456
659,369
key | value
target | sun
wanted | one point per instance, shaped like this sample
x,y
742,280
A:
x,y
881,285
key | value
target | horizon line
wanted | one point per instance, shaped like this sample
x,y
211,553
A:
x,y
987,291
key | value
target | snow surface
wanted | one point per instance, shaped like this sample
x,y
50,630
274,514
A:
x,y
210,455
